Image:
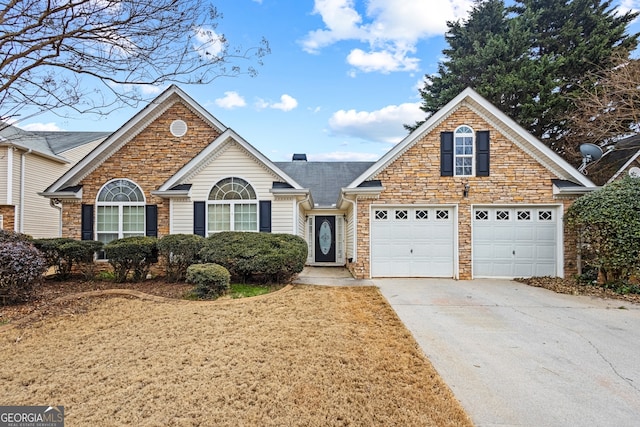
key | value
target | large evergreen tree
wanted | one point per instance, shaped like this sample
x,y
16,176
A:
x,y
527,59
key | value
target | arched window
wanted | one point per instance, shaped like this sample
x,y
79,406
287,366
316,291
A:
x,y
463,151
232,206
120,208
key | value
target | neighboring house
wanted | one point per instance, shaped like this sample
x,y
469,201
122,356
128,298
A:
x,y
30,161
468,194
621,159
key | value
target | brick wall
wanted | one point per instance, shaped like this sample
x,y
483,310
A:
x,y
515,177
149,159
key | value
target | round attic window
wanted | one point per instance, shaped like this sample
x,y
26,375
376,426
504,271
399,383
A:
x,y
178,128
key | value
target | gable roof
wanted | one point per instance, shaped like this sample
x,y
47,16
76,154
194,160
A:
x,y
615,161
45,143
178,182
503,123
128,131
324,179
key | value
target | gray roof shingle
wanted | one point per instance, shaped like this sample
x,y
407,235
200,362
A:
x,y
324,179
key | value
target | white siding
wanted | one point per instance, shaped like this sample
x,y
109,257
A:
x,y
76,154
350,223
282,212
15,196
3,175
181,216
233,162
302,223
40,219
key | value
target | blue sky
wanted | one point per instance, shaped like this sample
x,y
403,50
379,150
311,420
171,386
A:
x,y
341,80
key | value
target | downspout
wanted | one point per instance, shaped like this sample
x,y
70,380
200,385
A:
x,y
22,166
304,230
55,203
355,227
306,199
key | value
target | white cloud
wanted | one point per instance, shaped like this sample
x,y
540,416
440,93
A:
x,y
390,28
230,101
384,125
48,127
343,156
628,6
384,61
208,43
287,103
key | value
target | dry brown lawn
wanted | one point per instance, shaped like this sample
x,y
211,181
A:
x,y
306,356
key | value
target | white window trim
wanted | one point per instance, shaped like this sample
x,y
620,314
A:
x,y
120,206
473,151
232,203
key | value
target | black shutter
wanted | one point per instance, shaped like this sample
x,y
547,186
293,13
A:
x,y
482,153
86,219
151,220
446,153
265,216
199,218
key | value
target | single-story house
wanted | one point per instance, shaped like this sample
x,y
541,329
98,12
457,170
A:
x,y
468,194
30,161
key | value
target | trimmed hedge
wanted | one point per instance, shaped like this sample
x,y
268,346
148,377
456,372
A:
x,y
8,236
21,269
211,280
63,253
179,251
258,257
133,255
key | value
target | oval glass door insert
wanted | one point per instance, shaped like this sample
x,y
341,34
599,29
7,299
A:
x,y
324,237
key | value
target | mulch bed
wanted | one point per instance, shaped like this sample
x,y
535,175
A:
x,y
44,301
571,287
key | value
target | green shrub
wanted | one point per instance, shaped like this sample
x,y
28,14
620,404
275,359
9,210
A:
x,y
211,280
8,236
133,255
258,257
607,224
63,253
21,270
179,251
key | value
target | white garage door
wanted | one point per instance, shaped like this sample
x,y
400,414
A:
x,y
408,241
515,241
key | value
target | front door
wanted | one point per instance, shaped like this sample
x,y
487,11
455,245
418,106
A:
x,y
325,247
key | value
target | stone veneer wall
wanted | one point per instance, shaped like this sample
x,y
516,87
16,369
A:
x,y
8,213
149,159
414,178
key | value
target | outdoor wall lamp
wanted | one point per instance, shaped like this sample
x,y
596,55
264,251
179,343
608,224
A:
x,y
465,190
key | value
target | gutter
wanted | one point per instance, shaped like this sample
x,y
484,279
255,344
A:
x,y
568,191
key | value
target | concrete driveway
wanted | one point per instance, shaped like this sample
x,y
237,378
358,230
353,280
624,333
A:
x,y
515,355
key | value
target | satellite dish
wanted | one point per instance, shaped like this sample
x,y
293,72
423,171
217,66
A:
x,y
634,172
590,152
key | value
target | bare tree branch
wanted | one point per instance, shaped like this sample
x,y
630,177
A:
x,y
92,56
608,107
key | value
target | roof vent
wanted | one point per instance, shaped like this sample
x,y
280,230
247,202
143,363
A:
x,y
299,158
178,128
